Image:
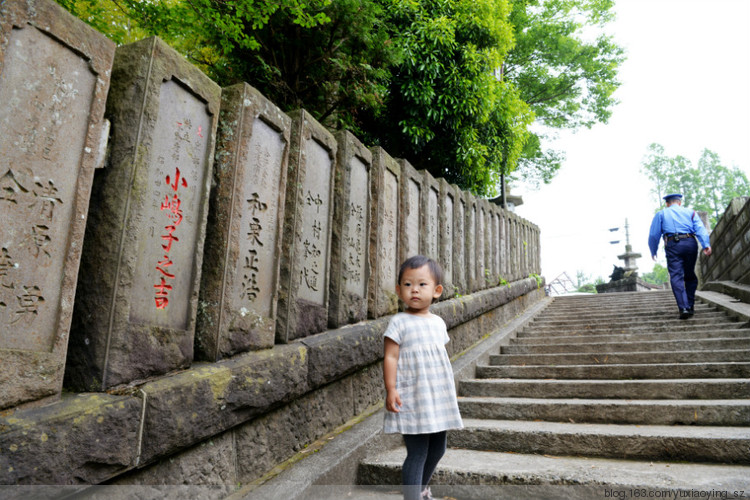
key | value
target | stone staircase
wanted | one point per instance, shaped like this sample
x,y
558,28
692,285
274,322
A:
x,y
611,392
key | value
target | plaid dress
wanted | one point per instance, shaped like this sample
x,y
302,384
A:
x,y
424,377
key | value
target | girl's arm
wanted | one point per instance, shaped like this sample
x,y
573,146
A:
x,y
390,364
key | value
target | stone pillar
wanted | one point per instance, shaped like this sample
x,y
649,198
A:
x,y
430,222
54,77
480,237
141,266
305,262
410,230
449,236
350,269
239,290
470,242
385,178
460,267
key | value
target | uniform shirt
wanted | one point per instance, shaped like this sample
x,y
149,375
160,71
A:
x,y
676,219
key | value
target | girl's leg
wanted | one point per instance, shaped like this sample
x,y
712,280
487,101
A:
x,y
437,444
417,448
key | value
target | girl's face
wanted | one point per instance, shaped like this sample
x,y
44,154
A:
x,y
418,289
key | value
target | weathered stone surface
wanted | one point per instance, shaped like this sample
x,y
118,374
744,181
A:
x,y
191,406
305,262
460,271
350,235
367,387
336,353
430,203
470,242
54,77
384,252
410,230
211,462
238,295
447,230
81,439
480,242
141,265
277,436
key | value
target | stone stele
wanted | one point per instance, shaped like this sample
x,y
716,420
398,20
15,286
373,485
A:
x,y
138,286
54,77
238,297
305,261
384,253
350,233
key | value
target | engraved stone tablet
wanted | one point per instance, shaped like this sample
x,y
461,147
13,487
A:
x,y
472,279
141,265
384,255
446,228
239,292
305,262
54,76
430,202
479,241
411,228
497,242
460,275
350,267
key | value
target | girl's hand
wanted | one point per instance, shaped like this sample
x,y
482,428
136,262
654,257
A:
x,y
393,401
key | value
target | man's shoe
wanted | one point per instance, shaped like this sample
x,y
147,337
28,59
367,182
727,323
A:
x,y
684,313
691,310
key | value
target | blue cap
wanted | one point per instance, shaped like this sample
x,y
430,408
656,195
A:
x,y
671,196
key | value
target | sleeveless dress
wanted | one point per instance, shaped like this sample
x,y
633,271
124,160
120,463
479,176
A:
x,y
424,377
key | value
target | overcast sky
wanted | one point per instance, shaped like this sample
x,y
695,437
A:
x,y
686,86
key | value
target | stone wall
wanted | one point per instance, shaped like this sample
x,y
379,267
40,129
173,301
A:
x,y
730,243
225,304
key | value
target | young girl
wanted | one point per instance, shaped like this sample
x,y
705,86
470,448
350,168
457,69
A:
x,y
420,392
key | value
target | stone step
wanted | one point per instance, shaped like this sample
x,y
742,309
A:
x,y
629,371
635,310
634,337
632,314
607,411
697,388
686,326
641,346
643,442
469,474
614,357
582,321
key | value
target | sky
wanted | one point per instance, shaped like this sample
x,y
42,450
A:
x,y
685,85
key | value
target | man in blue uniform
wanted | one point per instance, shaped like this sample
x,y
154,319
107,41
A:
x,y
680,226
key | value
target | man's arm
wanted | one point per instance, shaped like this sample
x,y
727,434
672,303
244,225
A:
x,y
654,234
702,234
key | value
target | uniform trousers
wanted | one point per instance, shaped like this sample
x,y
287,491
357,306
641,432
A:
x,y
423,452
681,258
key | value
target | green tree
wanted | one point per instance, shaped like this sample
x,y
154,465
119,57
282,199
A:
x,y
437,82
708,187
565,68
445,109
658,276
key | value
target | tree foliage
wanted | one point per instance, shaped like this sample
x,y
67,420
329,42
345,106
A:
x,y
566,70
453,86
658,276
709,186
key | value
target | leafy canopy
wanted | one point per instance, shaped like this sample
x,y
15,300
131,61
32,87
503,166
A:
x,y
709,186
453,86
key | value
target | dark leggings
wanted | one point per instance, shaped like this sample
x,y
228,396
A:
x,y
423,452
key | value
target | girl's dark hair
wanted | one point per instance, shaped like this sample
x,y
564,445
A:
x,y
418,261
